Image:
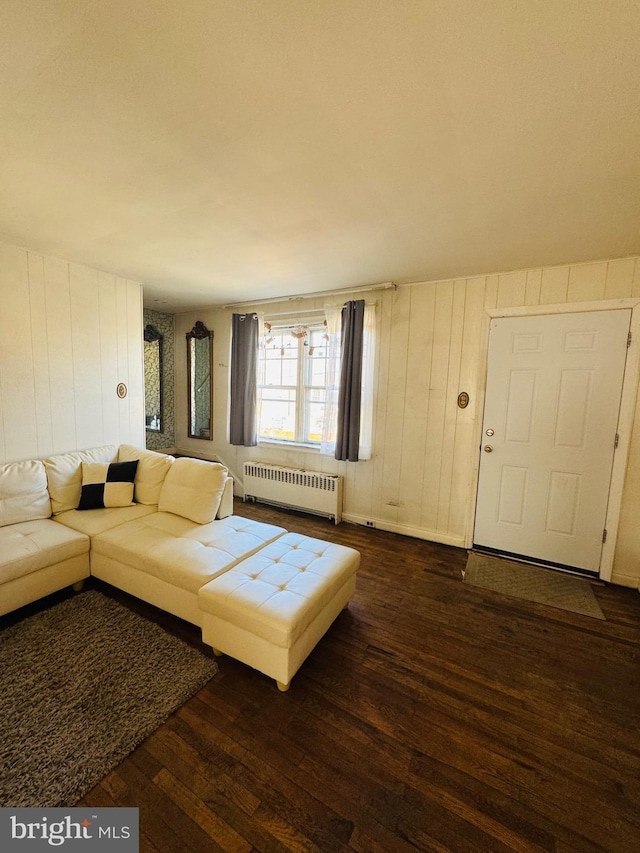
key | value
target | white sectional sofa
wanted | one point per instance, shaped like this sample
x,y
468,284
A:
x,y
170,535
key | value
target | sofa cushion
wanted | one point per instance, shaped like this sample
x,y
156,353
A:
x,y
107,485
153,467
193,489
64,474
94,521
33,545
23,492
182,552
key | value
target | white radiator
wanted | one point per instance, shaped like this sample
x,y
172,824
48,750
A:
x,y
294,488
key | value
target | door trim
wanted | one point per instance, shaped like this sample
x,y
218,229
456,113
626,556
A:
x,y
625,421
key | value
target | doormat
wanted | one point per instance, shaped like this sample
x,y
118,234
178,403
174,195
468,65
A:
x,y
83,684
532,583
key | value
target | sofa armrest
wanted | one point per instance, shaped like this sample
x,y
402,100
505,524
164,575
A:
x,y
226,502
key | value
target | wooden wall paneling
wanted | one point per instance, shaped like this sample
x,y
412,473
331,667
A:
x,y
416,412
532,291
437,404
451,407
381,409
396,397
122,305
635,290
587,282
491,291
512,289
358,482
553,289
61,336
20,431
627,558
85,343
465,458
61,366
135,381
40,349
619,284
108,357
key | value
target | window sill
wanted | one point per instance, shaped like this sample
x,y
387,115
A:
x,y
289,445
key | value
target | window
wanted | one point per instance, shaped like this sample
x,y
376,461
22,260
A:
x,y
293,374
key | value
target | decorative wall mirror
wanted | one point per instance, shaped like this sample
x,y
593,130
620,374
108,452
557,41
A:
x,y
153,378
200,384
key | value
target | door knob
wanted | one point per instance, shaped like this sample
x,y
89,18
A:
x,y
488,448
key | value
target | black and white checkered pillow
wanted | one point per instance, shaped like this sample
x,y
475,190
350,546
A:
x,y
107,485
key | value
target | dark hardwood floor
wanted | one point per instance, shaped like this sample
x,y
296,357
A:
x,y
433,716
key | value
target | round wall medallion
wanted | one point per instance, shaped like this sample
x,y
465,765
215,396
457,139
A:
x,y
121,390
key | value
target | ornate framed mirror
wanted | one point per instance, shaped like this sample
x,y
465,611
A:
x,y
153,378
200,381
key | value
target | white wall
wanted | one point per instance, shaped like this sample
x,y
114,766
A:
x,y
68,335
421,479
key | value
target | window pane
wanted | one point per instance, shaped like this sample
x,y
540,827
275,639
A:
x,y
315,421
317,370
273,373
289,371
278,419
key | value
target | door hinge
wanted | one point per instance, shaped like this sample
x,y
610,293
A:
x,y
629,336
617,441
604,535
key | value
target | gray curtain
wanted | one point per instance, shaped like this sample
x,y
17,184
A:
x,y
348,433
244,363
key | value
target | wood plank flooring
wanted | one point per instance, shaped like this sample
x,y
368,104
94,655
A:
x,y
433,716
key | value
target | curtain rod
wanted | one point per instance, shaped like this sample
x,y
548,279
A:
x,y
293,313
385,285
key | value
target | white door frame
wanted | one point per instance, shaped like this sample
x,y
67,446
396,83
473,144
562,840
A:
x,y
625,423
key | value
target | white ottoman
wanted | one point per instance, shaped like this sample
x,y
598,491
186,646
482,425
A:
x,y
270,610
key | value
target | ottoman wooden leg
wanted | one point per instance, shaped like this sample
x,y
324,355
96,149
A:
x,y
77,586
282,687
217,652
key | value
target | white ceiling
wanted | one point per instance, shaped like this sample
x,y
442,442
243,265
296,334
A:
x,y
225,150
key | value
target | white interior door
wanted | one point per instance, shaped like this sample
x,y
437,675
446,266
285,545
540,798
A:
x,y
554,384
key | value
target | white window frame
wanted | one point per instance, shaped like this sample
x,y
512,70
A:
x,y
302,389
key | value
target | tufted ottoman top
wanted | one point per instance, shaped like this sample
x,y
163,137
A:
x,y
278,592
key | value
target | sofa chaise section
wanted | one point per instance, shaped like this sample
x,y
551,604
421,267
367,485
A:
x,y
165,558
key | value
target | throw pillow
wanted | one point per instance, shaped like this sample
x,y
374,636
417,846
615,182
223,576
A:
x,y
107,485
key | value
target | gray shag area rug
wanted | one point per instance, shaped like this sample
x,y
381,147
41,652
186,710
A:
x,y
532,583
81,685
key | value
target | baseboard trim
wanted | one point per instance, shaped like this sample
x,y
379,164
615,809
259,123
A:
x,y
405,530
626,580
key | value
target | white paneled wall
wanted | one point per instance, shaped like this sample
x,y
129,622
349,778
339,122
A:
x,y
421,478
68,335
